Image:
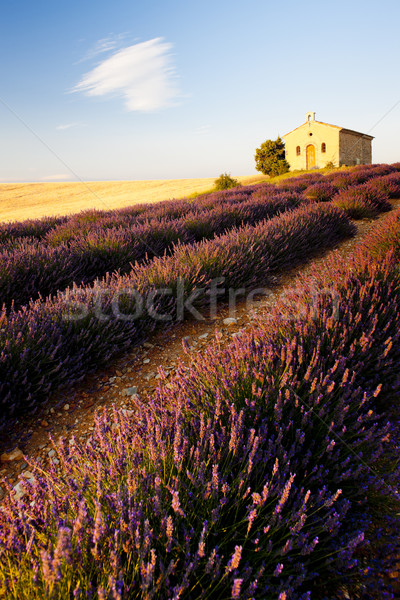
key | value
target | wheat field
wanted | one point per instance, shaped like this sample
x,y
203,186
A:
x,y
20,201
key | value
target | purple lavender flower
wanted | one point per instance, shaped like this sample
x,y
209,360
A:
x,y
237,584
235,560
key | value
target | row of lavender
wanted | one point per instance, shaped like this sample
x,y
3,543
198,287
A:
x,y
30,268
55,342
341,179
362,192
255,474
91,244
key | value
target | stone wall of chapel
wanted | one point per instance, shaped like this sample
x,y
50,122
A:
x,y
354,149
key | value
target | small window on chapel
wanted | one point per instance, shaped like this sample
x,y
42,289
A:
x,y
297,150
323,147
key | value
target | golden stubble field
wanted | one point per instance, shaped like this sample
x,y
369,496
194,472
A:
x,y
20,201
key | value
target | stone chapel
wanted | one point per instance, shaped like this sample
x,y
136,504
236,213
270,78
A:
x,y
314,144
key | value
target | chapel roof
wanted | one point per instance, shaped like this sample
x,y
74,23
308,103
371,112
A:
x,y
364,135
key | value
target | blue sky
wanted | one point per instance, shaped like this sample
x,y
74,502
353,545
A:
x,y
168,89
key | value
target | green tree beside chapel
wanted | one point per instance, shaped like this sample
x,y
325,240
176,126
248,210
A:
x,y
270,158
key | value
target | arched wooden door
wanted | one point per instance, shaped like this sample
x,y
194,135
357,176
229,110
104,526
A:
x,y
310,156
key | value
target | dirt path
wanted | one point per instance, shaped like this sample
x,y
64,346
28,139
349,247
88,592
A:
x,y
71,411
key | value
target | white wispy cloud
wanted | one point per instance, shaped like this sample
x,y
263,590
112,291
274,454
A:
x,y
104,45
69,125
142,74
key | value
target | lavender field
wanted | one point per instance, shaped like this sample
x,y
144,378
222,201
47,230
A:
x,y
268,469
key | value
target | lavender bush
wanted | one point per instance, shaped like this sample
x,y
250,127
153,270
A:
x,y
355,206
30,228
320,192
300,183
80,225
362,201
384,238
388,184
357,175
